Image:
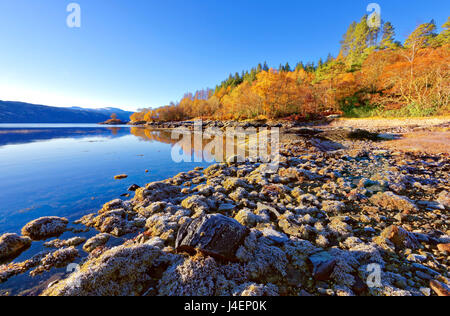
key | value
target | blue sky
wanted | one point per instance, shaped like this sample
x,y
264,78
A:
x,y
146,53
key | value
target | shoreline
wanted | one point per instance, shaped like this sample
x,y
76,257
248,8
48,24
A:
x,y
313,227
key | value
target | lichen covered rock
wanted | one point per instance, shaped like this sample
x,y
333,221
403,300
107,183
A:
x,y
72,242
400,237
96,241
201,276
45,227
12,245
393,202
58,259
122,271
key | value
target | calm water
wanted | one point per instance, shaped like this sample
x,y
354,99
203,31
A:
x,y
68,170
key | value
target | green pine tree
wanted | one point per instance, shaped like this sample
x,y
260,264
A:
x,y
287,68
360,44
347,40
388,39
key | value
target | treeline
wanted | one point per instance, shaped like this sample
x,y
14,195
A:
x,y
373,75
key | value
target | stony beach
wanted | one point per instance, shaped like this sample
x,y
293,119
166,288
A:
x,y
348,213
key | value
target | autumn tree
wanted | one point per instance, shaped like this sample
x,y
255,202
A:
x,y
444,37
422,36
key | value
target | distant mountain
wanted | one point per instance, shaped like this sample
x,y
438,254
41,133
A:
x,y
20,112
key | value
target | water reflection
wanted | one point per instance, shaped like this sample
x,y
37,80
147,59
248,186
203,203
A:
x,y
210,146
24,135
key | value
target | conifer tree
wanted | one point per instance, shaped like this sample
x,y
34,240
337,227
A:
x,y
388,39
259,68
299,66
287,68
347,40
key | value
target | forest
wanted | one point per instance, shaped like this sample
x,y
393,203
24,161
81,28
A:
x,y
373,75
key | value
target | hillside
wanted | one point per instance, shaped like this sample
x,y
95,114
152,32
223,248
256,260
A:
x,y
373,75
19,112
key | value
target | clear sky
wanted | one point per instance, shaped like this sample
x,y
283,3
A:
x,y
146,53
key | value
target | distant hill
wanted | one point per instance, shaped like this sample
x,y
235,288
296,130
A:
x,y
19,112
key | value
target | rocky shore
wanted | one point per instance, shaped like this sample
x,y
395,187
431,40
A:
x,y
342,216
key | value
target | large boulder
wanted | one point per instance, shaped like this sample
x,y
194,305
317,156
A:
x,y
45,227
215,235
12,245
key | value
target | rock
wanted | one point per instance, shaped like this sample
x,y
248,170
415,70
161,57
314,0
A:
x,y
157,192
400,237
238,195
275,235
359,287
9,270
204,189
417,258
120,177
444,247
393,202
95,242
292,227
226,207
125,270
425,291
323,264
162,225
263,207
246,218
444,199
153,208
297,174
262,260
333,206
45,227
72,242
427,270
113,222
201,276
58,259
112,205
439,288
401,217
196,203
294,276
215,235
424,276
258,290
133,188
231,184
11,245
